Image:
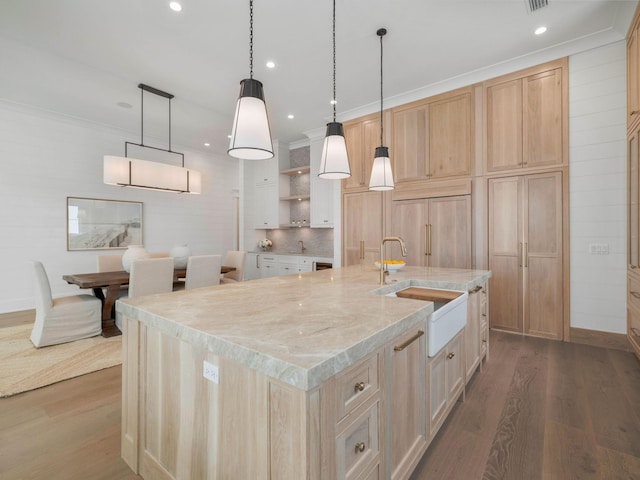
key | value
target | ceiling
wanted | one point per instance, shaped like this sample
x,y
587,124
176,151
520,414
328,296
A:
x,y
82,58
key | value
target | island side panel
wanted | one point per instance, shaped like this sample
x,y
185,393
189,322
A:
x,y
177,425
130,397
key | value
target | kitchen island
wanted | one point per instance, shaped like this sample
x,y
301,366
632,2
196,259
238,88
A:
x,y
300,376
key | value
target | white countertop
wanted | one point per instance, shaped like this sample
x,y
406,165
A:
x,y
301,328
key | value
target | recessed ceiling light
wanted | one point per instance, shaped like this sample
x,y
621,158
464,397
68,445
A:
x,y
207,144
290,116
540,30
175,6
333,102
125,105
271,65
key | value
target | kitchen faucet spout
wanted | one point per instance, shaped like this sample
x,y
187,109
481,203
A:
x,y
383,268
302,247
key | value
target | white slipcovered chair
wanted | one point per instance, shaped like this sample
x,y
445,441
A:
x,y
203,271
63,319
234,258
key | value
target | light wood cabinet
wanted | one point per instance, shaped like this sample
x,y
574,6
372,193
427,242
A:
x,y
446,381
526,254
432,138
436,231
362,136
633,183
526,119
633,75
406,406
362,227
476,340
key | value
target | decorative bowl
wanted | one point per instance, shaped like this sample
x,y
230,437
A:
x,y
392,265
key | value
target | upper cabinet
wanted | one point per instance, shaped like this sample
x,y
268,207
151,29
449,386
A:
x,y
432,138
633,76
526,119
362,137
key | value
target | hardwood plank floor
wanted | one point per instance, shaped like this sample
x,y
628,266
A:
x,y
541,410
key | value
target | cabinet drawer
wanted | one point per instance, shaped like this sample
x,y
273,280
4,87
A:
x,y
484,340
633,294
357,446
356,385
634,327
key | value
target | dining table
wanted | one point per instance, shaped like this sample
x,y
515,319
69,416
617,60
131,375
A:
x,y
112,283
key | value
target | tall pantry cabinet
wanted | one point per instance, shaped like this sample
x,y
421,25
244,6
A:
x,y
526,170
633,183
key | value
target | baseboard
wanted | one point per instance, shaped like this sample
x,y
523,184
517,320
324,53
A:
x,y
12,319
617,341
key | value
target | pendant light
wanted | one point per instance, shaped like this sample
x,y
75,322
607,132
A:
x,y
334,163
381,173
136,173
251,135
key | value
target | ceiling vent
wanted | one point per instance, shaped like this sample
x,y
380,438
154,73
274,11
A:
x,y
533,5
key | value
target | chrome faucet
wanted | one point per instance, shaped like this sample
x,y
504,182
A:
x,y
383,268
302,247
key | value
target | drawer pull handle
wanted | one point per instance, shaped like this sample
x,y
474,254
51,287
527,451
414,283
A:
x,y
483,314
475,290
635,294
360,446
451,355
359,387
635,331
484,341
633,266
404,345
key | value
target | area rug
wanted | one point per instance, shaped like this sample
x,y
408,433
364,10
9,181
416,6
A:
x,y
24,368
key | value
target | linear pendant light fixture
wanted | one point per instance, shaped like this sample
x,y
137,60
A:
x,y
251,135
334,163
381,173
136,173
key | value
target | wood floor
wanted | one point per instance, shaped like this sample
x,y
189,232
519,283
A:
x,y
542,410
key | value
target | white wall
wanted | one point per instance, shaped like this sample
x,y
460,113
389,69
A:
x,y
45,157
597,187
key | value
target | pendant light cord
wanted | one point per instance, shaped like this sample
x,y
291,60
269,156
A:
x,y
334,61
250,38
381,95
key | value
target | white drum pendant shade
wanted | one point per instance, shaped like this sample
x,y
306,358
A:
x,y
334,163
381,174
251,135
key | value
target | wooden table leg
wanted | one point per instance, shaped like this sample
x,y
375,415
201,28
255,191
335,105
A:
x,y
109,328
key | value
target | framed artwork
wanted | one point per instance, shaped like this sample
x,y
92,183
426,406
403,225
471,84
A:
x,y
95,224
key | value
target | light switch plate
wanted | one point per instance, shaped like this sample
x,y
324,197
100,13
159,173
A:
x,y
599,248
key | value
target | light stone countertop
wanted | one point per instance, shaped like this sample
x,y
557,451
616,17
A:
x,y
301,329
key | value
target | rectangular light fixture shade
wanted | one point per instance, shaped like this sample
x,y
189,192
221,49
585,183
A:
x,y
135,173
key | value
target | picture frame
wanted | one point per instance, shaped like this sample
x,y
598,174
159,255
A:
x,y
101,224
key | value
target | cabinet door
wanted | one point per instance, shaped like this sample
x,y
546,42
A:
x,y
455,367
543,302
633,179
437,390
410,143
505,253
633,77
252,266
409,221
266,203
268,266
472,334
450,137
406,418
353,136
362,227
542,119
450,232
504,125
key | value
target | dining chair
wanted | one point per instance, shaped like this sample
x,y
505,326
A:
x,y
203,271
151,275
234,258
110,263
63,319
